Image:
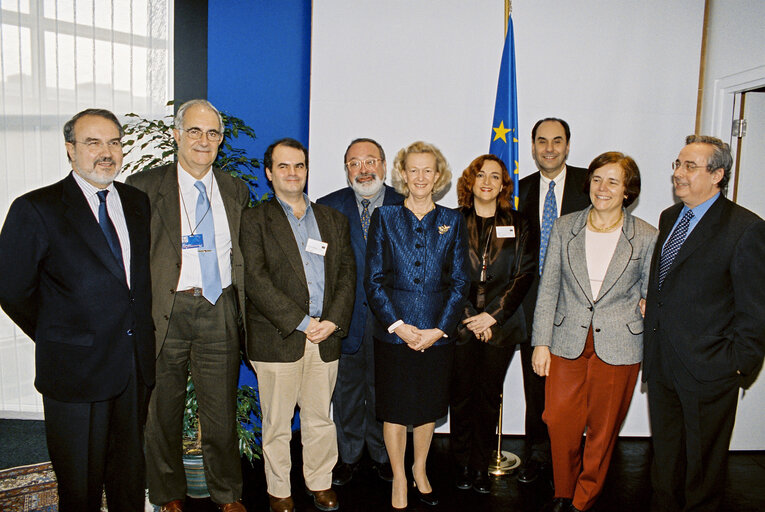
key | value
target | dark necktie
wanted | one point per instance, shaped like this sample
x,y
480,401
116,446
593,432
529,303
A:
x,y
673,245
549,214
208,254
108,228
365,216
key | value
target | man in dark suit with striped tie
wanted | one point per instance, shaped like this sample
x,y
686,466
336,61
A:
x,y
704,327
74,268
353,404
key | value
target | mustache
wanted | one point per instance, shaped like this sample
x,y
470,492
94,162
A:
x,y
105,159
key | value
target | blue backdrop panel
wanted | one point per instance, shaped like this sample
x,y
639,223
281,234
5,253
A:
x,y
258,68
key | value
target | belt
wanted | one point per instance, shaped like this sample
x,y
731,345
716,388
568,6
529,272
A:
x,y
196,292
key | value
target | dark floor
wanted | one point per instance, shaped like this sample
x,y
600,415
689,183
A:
x,y
627,488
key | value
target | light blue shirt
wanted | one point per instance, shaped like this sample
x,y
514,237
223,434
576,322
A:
x,y
698,212
304,228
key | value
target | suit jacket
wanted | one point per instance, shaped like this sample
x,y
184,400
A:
x,y
565,305
344,201
417,271
574,199
161,185
276,287
710,311
63,287
509,272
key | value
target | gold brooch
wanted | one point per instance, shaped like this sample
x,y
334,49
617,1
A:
x,y
443,229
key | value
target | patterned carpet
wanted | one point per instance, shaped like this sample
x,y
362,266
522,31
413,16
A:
x,y
28,488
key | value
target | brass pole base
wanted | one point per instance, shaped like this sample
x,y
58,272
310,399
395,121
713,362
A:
x,y
504,463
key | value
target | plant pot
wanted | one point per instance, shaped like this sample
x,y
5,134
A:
x,y
196,484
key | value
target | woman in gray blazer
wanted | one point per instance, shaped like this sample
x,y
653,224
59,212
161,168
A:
x,y
588,327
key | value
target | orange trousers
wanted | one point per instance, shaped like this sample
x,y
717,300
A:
x,y
584,393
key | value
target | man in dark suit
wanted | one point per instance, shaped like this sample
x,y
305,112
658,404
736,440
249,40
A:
x,y
299,279
557,189
74,268
353,403
704,327
198,293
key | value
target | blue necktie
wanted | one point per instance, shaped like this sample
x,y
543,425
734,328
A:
x,y
208,256
549,214
365,216
108,228
673,245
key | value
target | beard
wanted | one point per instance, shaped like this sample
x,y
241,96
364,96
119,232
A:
x,y
369,188
96,175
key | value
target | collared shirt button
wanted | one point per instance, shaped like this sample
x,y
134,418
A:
x,y
416,280
130,332
419,230
417,263
418,246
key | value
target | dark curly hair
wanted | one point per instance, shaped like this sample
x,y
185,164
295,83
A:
x,y
467,180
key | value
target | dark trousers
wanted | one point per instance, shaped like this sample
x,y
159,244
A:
x,y
537,438
97,445
206,337
691,427
477,380
585,393
353,404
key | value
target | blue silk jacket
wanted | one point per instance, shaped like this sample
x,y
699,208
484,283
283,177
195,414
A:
x,y
417,270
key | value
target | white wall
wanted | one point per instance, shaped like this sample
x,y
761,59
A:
x,y
624,74
735,44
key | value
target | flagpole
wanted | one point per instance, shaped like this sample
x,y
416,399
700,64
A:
x,y
504,462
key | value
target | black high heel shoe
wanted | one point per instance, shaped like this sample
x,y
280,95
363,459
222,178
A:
x,y
428,498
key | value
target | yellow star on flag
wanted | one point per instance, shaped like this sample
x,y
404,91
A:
x,y
501,132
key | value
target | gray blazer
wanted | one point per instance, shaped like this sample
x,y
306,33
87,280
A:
x,y
565,307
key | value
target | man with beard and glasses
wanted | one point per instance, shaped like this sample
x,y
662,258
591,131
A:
x,y
74,268
353,402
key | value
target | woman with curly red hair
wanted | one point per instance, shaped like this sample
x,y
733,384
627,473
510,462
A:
x,y
501,267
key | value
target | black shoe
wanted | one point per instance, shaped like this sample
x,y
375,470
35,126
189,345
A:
x,y
343,473
384,471
482,483
464,478
558,505
430,498
530,471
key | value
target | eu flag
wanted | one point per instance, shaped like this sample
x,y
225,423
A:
x,y
504,136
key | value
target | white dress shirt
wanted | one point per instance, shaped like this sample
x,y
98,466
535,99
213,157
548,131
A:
x,y
191,274
116,214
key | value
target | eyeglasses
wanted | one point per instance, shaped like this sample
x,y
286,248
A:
x,y
356,164
196,134
97,145
687,165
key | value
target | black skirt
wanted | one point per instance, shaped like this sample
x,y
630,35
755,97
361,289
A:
x,y
412,387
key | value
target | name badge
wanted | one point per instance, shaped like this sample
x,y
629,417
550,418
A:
x,y
316,247
505,231
192,241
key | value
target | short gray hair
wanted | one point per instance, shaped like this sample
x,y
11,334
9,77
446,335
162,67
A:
x,y
721,157
178,121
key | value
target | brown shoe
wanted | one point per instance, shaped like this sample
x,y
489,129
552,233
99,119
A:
x,y
232,507
324,500
173,506
281,504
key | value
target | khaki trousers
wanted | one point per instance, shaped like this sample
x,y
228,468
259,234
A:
x,y
307,383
